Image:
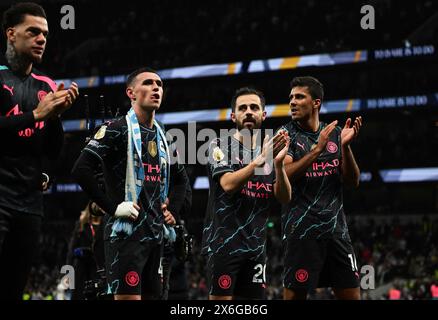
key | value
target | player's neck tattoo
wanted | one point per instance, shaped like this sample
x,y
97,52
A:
x,y
16,62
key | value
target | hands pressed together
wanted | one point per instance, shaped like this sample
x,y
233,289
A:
x,y
275,147
348,133
55,103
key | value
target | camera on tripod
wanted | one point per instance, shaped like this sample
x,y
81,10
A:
x,y
96,289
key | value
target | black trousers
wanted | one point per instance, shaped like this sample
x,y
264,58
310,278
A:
x,y
19,233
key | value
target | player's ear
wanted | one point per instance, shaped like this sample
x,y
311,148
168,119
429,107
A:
x,y
233,116
10,34
264,115
317,104
130,93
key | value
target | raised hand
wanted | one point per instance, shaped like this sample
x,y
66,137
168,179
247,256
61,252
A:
x,y
280,140
266,148
271,147
281,154
70,98
47,106
324,136
348,134
55,103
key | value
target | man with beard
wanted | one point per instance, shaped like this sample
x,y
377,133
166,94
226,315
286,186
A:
x,y
30,129
318,249
234,235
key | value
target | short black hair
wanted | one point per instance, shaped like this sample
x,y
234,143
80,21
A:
x,y
316,89
16,13
135,73
245,91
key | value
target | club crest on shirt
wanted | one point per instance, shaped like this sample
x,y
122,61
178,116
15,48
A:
x,y
101,133
332,147
218,155
152,148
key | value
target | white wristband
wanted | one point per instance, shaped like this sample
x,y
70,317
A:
x,y
126,210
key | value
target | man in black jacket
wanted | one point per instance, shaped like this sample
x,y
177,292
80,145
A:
x,y
30,104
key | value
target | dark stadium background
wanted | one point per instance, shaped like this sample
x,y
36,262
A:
x,y
393,224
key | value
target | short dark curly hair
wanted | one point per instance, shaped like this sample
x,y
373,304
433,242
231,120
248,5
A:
x,y
16,13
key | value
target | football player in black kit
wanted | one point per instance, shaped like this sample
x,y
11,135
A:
x,y
234,236
318,249
30,129
138,173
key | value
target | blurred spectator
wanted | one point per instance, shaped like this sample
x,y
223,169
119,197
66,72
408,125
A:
x,y
86,252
